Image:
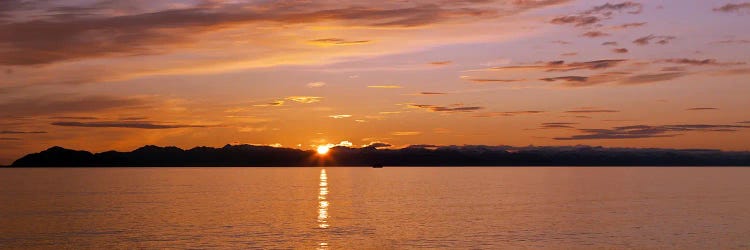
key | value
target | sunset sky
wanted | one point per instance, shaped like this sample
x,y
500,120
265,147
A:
x,y
117,75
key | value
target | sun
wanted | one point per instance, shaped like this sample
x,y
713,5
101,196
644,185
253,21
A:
x,y
322,150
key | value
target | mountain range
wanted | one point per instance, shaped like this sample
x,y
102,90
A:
x,y
415,155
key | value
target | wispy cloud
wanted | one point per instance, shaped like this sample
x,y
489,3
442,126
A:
x,y
648,131
450,109
628,25
732,41
337,41
646,40
699,62
14,132
651,78
562,66
701,109
591,111
620,50
385,86
558,125
491,80
275,103
339,116
432,93
509,113
139,33
406,133
734,7
56,105
315,84
598,13
304,99
440,63
566,78
120,124
74,117
595,34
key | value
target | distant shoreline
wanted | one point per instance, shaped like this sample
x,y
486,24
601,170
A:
x,y
414,166
413,156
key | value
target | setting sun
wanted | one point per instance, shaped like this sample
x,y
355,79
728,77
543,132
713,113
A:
x,y
322,150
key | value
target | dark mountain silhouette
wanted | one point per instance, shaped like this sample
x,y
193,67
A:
x,y
418,155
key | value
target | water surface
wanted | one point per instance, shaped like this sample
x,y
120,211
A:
x,y
365,208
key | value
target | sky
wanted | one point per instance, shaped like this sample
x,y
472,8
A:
x,y
104,75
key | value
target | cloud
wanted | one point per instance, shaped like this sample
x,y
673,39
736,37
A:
x,y
585,81
337,41
594,34
646,40
566,79
608,8
620,50
385,86
732,7
731,72
651,78
377,144
340,144
699,62
622,78
120,124
701,109
275,103
248,129
440,63
569,54
490,80
108,43
406,133
450,109
598,13
432,93
37,41
732,41
557,125
576,20
9,139
591,111
14,132
562,66
509,113
315,84
304,99
133,118
339,116
647,131
533,4
61,104
609,43
628,25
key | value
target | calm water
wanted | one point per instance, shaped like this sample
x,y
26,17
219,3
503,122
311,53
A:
x,y
365,208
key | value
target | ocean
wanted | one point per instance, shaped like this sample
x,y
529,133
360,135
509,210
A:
x,y
367,208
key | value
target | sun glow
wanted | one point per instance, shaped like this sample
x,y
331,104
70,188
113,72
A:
x,y
323,149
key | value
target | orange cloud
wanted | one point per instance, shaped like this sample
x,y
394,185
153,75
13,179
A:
x,y
304,99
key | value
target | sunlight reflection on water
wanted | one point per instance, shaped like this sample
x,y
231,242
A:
x,y
323,206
